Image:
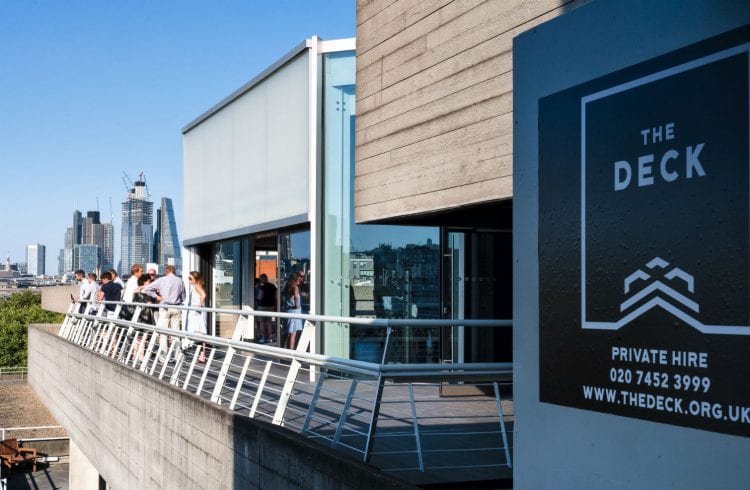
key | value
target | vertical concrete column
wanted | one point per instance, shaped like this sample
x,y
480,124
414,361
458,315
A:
x,y
81,474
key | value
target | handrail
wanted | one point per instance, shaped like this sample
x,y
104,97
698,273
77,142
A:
x,y
5,430
331,401
372,322
16,372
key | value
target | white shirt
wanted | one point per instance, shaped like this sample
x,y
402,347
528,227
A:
x,y
130,288
89,292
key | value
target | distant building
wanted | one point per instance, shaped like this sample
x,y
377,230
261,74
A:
x,y
35,256
73,237
77,228
68,251
91,231
108,246
61,262
9,270
166,240
137,228
87,257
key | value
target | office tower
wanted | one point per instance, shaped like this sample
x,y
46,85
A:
x,y
94,232
137,227
91,232
68,251
35,255
87,257
166,241
108,249
77,227
61,262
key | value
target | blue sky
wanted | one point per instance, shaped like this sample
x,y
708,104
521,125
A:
x,y
89,89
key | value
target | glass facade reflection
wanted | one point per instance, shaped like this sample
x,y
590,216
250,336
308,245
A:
x,y
227,283
294,260
370,271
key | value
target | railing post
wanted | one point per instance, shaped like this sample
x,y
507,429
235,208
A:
x,y
221,379
415,424
240,381
344,413
313,402
387,346
68,319
259,392
374,416
499,399
304,342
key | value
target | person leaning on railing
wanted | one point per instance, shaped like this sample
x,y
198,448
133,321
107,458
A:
x,y
169,290
147,314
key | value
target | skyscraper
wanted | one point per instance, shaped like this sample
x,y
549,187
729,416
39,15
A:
x,y
35,255
61,262
108,250
68,251
73,237
137,227
77,227
87,257
166,241
91,232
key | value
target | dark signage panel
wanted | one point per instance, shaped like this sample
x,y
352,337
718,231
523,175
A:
x,y
644,240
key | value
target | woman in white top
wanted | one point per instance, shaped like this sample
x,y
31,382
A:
x,y
195,321
292,304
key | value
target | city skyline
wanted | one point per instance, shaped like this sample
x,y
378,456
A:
x,y
127,78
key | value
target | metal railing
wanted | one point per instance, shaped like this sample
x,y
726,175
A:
x,y
13,373
391,414
33,433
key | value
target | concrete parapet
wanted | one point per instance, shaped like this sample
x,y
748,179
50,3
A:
x,y
57,298
139,432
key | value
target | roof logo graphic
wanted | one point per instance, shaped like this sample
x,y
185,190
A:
x,y
670,288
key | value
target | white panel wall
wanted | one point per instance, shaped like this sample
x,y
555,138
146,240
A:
x,y
247,164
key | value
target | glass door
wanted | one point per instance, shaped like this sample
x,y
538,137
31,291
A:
x,y
477,284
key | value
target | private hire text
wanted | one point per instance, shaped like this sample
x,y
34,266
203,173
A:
x,y
660,356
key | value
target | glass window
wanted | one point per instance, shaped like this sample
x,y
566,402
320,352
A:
x,y
231,285
294,262
369,270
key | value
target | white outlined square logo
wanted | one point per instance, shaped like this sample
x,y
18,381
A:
x,y
665,210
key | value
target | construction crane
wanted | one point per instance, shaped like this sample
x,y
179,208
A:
x,y
129,186
142,178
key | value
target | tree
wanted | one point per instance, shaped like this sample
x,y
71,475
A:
x,y
17,312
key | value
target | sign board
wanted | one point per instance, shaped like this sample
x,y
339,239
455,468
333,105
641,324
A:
x,y
644,240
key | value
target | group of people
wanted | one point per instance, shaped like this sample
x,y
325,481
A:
x,y
167,290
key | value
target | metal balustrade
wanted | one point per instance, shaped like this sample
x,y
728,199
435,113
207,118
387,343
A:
x,y
36,433
393,415
7,373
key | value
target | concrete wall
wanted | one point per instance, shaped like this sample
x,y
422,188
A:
x,y
139,432
560,447
82,474
434,102
57,298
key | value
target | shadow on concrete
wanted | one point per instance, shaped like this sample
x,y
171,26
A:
x,y
270,457
52,476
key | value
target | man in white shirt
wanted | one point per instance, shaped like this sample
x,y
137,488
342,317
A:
x,y
89,293
83,283
136,271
